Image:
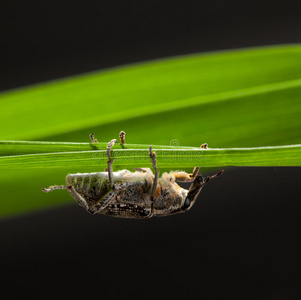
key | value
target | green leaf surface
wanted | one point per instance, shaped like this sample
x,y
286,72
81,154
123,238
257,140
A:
x,y
133,156
31,147
231,99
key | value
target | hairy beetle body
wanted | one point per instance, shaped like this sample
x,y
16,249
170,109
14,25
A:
x,y
130,197
140,194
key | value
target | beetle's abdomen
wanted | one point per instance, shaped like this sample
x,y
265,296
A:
x,y
92,186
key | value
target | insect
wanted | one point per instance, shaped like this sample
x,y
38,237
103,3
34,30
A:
x,y
140,194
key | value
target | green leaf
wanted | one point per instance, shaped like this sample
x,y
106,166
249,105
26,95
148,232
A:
x,y
30,147
241,98
132,156
244,98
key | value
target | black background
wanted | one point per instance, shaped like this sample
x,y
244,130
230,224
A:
x,y
43,40
241,239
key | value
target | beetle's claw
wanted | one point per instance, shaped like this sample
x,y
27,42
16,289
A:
x,y
109,147
93,139
122,137
44,190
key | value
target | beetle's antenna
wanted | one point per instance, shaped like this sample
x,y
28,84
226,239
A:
x,y
54,187
198,184
213,176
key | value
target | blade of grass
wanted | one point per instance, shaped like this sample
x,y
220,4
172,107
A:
x,y
138,156
97,99
31,147
269,117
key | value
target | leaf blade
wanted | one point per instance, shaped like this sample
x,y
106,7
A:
x,y
167,158
154,86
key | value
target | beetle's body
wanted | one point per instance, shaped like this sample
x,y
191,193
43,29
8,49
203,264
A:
x,y
139,195
130,197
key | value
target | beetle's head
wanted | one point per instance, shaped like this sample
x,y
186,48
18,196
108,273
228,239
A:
x,y
195,189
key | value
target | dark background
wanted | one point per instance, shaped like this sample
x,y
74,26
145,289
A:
x,y
241,239
42,40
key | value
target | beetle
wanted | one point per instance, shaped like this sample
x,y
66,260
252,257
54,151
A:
x,y
139,195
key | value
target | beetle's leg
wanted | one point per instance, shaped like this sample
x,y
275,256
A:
x,y
152,155
110,172
109,147
195,172
80,199
54,187
110,162
93,139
